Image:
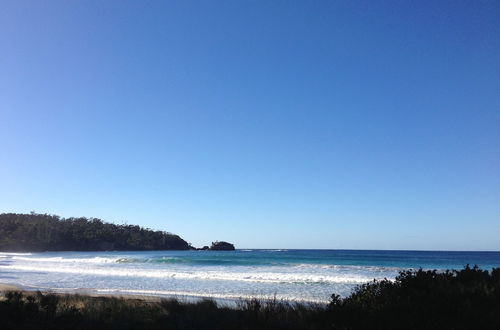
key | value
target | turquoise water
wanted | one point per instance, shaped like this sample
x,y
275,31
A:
x,y
296,275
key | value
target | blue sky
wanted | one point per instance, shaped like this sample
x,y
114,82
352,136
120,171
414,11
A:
x,y
270,124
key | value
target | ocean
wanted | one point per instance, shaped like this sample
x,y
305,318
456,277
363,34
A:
x,y
293,275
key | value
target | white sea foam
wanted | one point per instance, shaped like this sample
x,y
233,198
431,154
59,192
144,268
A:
x,y
14,254
95,260
375,269
263,277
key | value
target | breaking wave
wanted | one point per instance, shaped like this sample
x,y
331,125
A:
x,y
255,276
95,260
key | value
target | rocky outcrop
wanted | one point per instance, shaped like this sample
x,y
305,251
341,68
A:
x,y
222,246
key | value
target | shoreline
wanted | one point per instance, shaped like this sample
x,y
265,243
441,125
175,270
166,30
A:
x,y
129,294
10,287
6,287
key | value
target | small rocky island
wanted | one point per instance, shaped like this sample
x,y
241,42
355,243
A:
x,y
222,246
218,246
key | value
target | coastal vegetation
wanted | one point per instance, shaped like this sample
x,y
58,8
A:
x,y
43,232
465,299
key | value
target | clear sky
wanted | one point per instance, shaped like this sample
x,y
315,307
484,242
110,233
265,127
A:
x,y
270,124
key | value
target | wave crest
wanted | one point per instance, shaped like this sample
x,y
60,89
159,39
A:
x,y
263,277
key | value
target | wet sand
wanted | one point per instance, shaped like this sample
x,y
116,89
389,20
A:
x,y
9,287
93,293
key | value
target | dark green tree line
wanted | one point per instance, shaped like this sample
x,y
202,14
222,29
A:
x,y
45,232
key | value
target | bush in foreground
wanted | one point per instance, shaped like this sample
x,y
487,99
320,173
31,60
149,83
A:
x,y
20,310
465,299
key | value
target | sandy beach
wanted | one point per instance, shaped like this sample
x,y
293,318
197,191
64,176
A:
x,y
4,287
84,292
9,287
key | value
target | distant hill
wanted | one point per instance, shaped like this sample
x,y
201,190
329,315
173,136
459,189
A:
x,y
44,232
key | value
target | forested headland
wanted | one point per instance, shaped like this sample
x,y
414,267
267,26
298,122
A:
x,y
44,232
